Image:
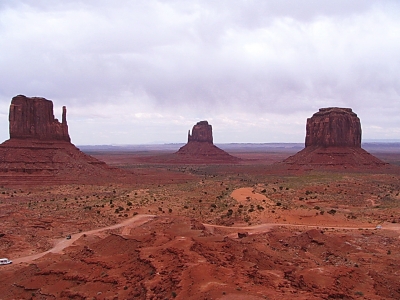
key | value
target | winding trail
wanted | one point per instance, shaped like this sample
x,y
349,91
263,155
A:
x,y
64,243
142,219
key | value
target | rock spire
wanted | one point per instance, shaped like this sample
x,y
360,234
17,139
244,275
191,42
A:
x,y
39,150
32,118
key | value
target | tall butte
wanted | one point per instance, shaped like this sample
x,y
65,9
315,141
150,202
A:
x,y
32,118
40,151
200,146
333,140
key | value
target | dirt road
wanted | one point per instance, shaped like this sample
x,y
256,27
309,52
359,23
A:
x,y
64,243
141,219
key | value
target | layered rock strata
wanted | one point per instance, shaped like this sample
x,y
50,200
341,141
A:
x,y
201,132
333,127
333,140
32,118
200,146
39,150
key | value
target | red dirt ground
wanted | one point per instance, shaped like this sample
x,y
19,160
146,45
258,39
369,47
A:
x,y
205,231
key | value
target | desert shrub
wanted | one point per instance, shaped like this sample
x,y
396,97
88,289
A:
x,y
264,191
332,212
278,204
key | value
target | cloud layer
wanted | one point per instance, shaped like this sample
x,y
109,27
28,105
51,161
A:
x,y
145,71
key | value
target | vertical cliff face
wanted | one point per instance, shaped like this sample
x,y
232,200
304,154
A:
x,y
32,118
333,126
333,141
201,132
200,147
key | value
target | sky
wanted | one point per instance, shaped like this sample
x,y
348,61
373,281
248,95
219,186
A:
x,y
146,71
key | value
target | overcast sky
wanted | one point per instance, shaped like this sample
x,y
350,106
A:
x,y
135,72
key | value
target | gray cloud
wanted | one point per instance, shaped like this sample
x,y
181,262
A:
x,y
219,60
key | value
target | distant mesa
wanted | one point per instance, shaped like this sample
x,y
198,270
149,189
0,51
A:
x,y
40,150
333,140
200,146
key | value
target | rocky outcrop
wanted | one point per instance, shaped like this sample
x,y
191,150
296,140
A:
x,y
200,147
201,132
32,118
333,141
39,150
334,127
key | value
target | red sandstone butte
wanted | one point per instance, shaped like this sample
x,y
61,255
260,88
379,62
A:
x,y
200,146
201,132
333,140
32,118
334,126
39,150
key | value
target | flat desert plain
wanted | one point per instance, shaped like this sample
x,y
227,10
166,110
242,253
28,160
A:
x,y
248,230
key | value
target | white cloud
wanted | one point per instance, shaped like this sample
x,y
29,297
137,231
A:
x,y
156,66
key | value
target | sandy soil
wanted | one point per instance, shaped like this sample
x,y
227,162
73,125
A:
x,y
240,231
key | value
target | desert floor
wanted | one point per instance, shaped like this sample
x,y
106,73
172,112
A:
x,y
205,231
